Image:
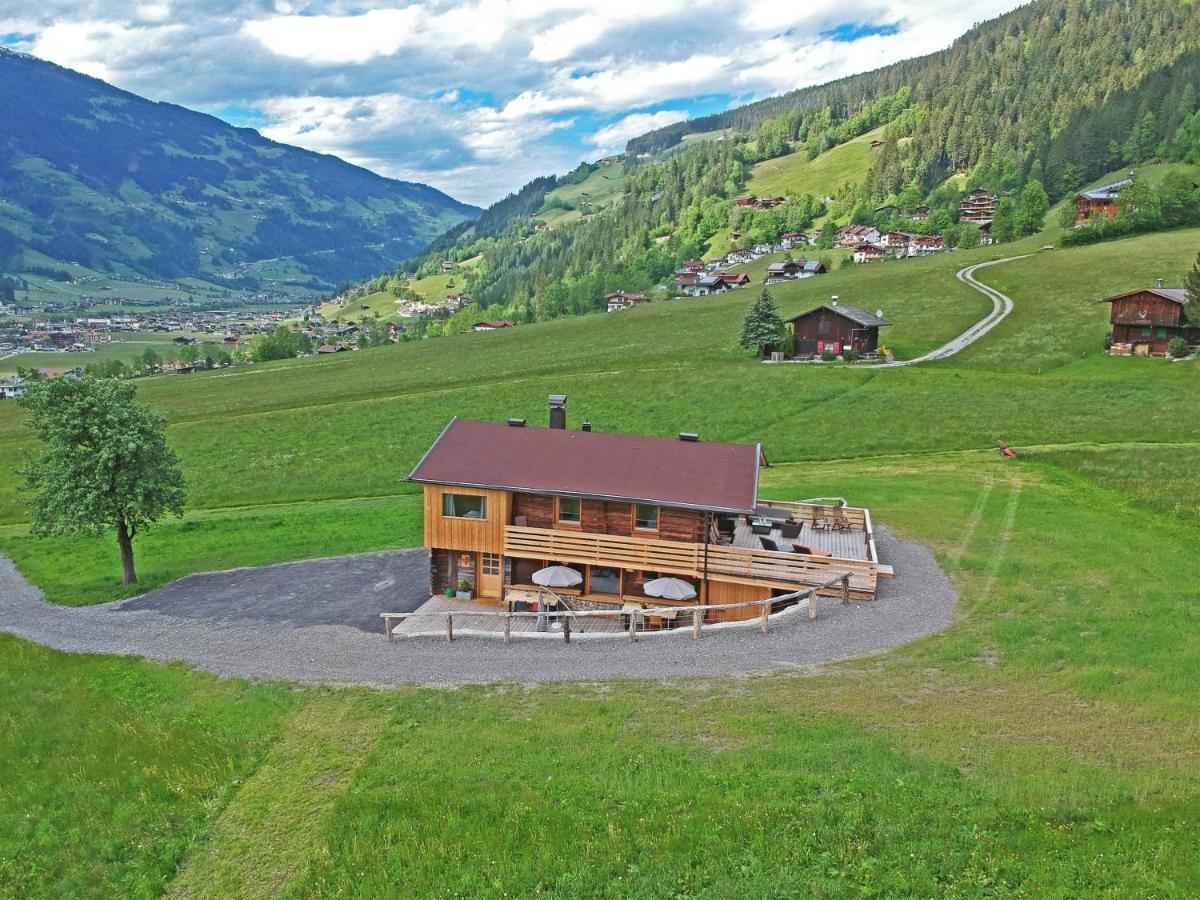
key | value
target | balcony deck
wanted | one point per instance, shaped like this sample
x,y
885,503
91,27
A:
x,y
742,562
850,544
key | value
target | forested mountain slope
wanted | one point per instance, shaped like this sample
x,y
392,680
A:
x,y
97,176
1030,106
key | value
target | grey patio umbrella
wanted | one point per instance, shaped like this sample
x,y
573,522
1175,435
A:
x,y
669,589
557,577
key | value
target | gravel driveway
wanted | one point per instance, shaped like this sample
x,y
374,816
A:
x,y
344,590
292,638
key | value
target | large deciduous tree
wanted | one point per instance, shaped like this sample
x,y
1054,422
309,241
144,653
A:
x,y
762,327
105,463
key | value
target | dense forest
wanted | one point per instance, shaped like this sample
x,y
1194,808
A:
x,y
1031,105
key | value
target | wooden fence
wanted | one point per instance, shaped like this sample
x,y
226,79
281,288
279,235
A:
x,y
637,617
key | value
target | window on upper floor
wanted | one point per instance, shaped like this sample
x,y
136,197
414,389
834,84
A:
x,y
464,506
569,510
645,517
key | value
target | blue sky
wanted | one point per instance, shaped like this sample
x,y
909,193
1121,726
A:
x,y
474,96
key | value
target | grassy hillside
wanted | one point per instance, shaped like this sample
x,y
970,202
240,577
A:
x,y
1045,745
598,190
847,163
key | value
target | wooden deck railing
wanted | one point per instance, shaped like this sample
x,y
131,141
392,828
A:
x,y
839,585
724,563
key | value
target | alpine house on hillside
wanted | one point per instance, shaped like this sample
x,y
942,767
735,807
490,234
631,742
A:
x,y
505,500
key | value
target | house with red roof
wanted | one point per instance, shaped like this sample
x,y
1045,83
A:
x,y
505,500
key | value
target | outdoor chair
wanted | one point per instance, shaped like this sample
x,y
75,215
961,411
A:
x,y
790,530
768,544
840,521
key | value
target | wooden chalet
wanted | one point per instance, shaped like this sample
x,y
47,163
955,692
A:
x,y
868,253
615,301
978,207
1145,320
1101,201
835,327
492,326
504,500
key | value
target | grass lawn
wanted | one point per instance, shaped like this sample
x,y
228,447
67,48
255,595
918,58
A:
x,y
1044,745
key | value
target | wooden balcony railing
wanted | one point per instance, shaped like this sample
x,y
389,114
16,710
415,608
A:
x,y
724,563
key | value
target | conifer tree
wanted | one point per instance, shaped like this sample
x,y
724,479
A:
x,y
762,327
1192,284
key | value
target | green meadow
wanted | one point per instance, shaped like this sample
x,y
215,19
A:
x,y
1044,745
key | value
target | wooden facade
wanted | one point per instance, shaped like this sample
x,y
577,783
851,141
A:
x,y
521,532
1144,322
829,328
1086,207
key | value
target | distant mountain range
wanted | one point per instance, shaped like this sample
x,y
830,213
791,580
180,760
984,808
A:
x,y
110,181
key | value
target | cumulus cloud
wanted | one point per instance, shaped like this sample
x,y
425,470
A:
x,y
612,138
475,96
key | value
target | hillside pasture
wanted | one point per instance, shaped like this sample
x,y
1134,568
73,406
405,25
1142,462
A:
x,y
660,368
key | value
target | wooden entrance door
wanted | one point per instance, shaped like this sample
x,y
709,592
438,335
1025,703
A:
x,y
491,575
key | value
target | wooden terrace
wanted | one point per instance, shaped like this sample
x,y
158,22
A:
x,y
839,540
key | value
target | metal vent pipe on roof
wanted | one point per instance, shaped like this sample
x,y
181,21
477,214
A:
x,y
558,411
586,426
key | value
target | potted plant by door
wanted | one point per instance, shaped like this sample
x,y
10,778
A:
x,y
464,590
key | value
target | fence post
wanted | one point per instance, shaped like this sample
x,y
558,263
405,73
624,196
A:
x,y
567,629
766,615
507,627
387,626
697,619
449,626
812,604
633,617
845,589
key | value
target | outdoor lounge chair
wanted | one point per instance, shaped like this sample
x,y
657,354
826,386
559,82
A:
x,y
768,544
840,520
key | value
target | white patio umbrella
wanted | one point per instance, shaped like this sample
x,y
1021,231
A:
x,y
557,577
669,589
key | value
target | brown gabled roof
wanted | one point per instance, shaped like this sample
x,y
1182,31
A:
x,y
1175,295
632,468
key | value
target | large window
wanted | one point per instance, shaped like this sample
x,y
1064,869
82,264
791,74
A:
x,y
605,581
645,517
568,510
464,506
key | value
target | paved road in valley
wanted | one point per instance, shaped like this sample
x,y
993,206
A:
x,y
1002,305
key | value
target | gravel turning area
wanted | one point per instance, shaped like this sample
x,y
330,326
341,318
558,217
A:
x,y
275,638
344,590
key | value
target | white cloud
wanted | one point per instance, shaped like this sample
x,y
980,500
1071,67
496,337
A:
x,y
612,138
474,96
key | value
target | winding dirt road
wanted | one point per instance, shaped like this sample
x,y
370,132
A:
x,y
1002,305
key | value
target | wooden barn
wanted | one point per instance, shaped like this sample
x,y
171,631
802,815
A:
x,y
1144,321
835,327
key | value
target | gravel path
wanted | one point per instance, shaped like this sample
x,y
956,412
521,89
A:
x,y
239,642
1002,305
